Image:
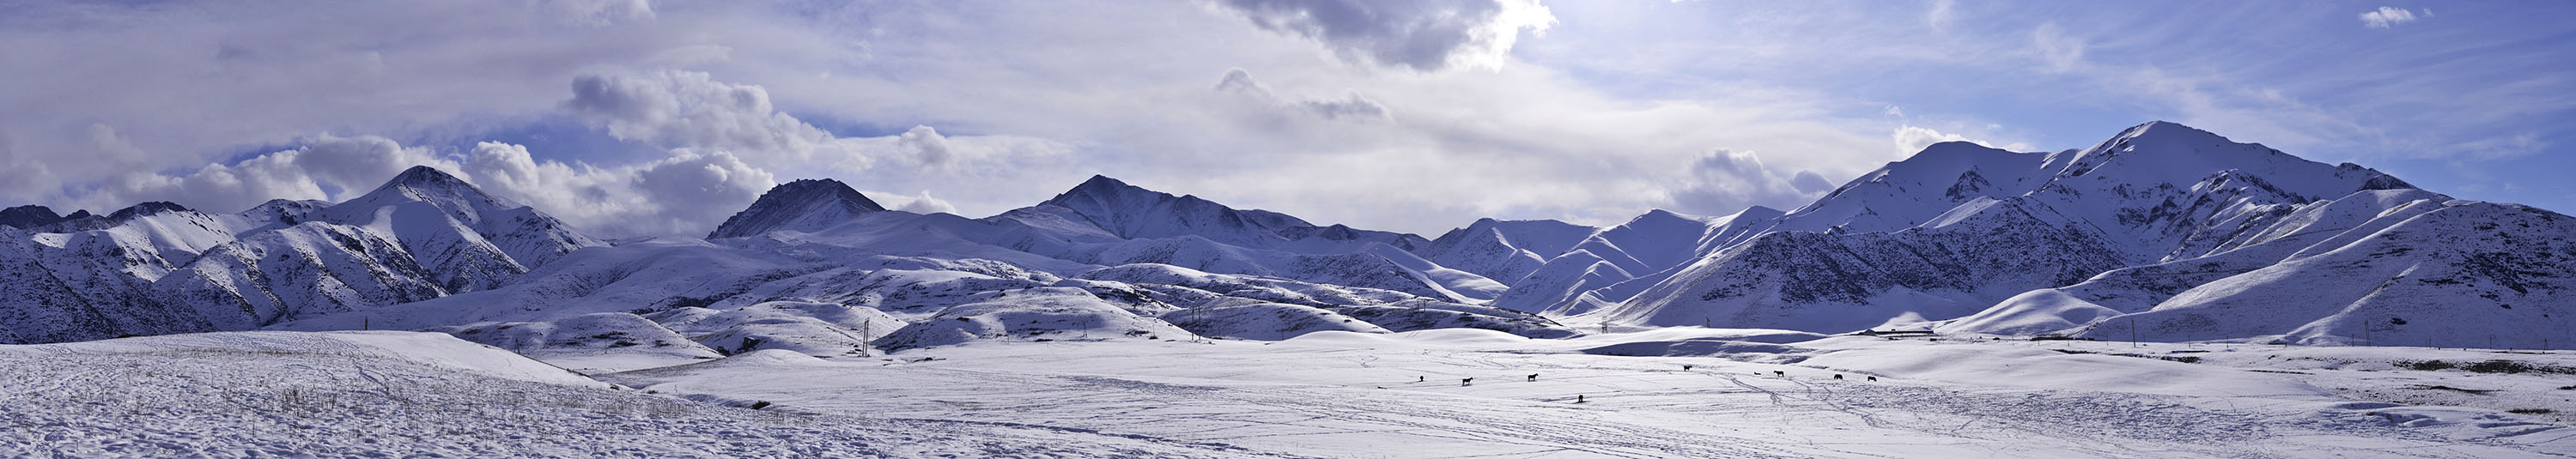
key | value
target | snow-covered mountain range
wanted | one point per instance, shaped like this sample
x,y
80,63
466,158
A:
x,y
2162,233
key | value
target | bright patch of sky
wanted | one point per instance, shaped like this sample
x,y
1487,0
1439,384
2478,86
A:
x,y
1407,115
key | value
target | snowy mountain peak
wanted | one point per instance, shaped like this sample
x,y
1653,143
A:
x,y
1133,212
32,216
41,219
428,184
145,209
2167,129
1104,190
456,229
802,205
425,175
283,211
1661,215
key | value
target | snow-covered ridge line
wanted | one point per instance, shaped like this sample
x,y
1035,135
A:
x,y
2162,223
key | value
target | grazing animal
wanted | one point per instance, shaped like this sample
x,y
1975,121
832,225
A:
x,y
1838,376
1779,373
1686,367
1533,376
1464,381
1873,379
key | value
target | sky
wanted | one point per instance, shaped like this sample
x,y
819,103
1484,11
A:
x,y
636,117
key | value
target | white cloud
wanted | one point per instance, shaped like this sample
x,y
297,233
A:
x,y
926,146
925,204
599,12
1351,106
1018,116
2062,53
1721,182
684,193
679,109
328,168
2386,17
2510,146
1423,35
691,188
1590,124
1910,139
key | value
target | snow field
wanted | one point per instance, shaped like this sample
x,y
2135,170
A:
x,y
400,394
1341,394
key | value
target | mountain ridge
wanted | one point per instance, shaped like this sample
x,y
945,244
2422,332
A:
x,y
2181,231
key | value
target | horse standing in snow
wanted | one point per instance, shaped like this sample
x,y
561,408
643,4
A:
x,y
1533,377
1465,381
1838,376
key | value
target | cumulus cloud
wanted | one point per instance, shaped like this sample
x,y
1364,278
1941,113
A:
x,y
1722,182
926,146
692,189
721,142
329,168
680,109
2386,17
1910,139
1424,35
686,192
925,204
587,196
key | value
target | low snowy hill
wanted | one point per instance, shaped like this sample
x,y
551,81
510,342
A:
x,y
1038,314
1104,222
1615,263
1504,250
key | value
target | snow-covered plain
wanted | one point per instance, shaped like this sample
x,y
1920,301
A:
x,y
1673,392
1341,394
407,394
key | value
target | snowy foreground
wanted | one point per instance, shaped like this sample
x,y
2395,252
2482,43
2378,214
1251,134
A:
x,y
1327,394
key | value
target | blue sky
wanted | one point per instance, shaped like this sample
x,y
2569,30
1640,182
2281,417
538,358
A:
x,y
635,117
